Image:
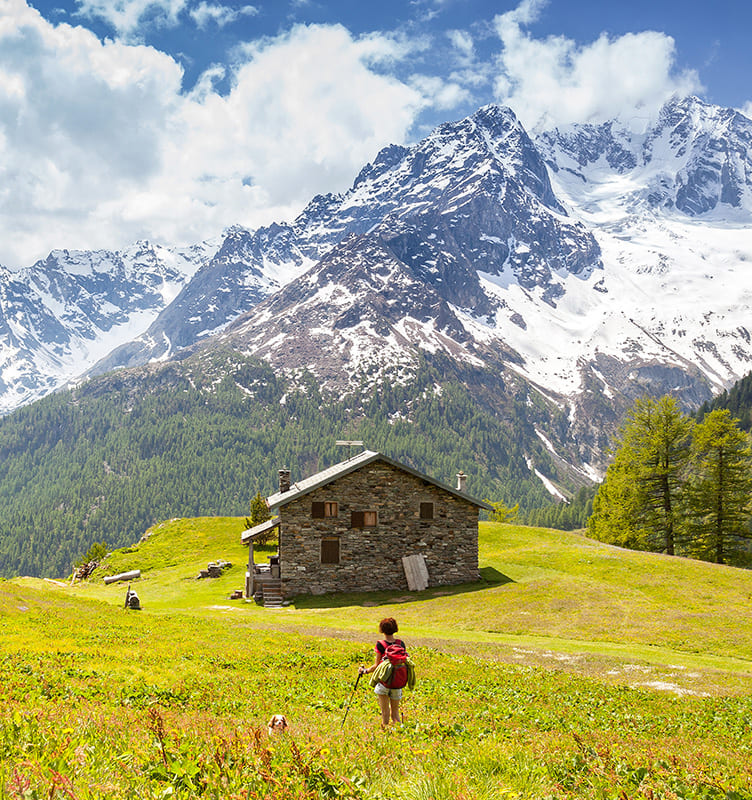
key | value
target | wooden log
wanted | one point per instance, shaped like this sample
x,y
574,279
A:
x,y
123,576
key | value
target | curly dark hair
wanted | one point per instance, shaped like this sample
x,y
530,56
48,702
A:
x,y
388,626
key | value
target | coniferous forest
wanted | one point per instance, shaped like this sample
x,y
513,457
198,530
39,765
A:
x,y
105,461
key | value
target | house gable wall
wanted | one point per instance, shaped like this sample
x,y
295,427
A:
x,y
370,559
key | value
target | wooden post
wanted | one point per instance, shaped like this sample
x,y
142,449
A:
x,y
249,576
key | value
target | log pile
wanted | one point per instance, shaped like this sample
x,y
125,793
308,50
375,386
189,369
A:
x,y
83,571
214,569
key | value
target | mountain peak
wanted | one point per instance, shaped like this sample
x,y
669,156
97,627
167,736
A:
x,y
592,262
694,158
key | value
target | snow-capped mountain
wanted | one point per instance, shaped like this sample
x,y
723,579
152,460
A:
x,y
247,267
695,158
422,227
442,183
61,315
617,272
671,208
594,263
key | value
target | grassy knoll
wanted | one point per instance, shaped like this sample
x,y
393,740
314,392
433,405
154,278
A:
x,y
575,671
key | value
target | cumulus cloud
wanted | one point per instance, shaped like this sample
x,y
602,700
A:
x,y
555,81
462,42
81,121
305,111
445,94
99,145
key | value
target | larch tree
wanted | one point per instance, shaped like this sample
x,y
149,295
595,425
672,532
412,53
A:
x,y
720,488
639,503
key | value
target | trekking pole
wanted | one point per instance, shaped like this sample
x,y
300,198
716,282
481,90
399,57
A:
x,y
352,694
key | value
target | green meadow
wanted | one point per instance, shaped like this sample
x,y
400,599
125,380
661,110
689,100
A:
x,y
573,670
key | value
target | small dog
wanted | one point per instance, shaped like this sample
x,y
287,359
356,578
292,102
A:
x,y
277,724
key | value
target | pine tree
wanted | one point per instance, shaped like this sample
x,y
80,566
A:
x,y
720,488
259,509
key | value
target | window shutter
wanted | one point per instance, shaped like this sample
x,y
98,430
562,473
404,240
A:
x,y
426,510
357,519
317,510
330,551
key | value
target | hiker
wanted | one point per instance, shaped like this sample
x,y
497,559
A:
x,y
389,693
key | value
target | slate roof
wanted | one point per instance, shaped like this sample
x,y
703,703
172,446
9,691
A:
x,y
346,467
262,527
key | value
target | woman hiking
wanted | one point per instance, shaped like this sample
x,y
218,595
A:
x,y
389,694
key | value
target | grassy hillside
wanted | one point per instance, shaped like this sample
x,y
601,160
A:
x,y
575,670
200,437
542,588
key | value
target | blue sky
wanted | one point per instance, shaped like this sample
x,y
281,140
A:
x,y
172,119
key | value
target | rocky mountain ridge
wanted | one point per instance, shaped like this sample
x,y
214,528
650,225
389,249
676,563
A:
x,y
65,312
593,264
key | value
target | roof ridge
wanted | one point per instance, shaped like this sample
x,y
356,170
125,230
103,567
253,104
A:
x,y
343,468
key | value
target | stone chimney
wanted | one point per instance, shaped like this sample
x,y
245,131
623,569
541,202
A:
x,y
284,480
461,481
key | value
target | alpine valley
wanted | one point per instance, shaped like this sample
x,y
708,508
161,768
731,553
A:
x,y
508,294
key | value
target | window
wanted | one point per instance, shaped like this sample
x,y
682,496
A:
x,y
426,510
330,551
324,510
364,519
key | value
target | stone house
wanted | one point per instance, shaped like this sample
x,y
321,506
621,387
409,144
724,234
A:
x,y
367,524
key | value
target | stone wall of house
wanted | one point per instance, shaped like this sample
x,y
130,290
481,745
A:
x,y
370,558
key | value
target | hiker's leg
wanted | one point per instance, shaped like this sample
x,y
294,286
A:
x,y
394,703
384,701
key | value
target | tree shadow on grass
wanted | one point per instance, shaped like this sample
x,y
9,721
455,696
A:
x,y
490,579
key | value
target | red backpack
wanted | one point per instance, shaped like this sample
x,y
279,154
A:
x,y
397,655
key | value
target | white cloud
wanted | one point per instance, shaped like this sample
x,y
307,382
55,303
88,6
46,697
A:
x,y
462,41
220,15
556,81
127,16
445,95
84,121
746,109
99,146
305,112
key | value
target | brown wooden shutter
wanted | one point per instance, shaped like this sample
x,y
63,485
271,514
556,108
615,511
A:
x,y
317,510
357,520
426,510
330,551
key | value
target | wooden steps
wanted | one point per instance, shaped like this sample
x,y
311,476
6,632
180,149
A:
x,y
271,592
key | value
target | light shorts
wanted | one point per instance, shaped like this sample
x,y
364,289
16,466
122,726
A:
x,y
395,694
